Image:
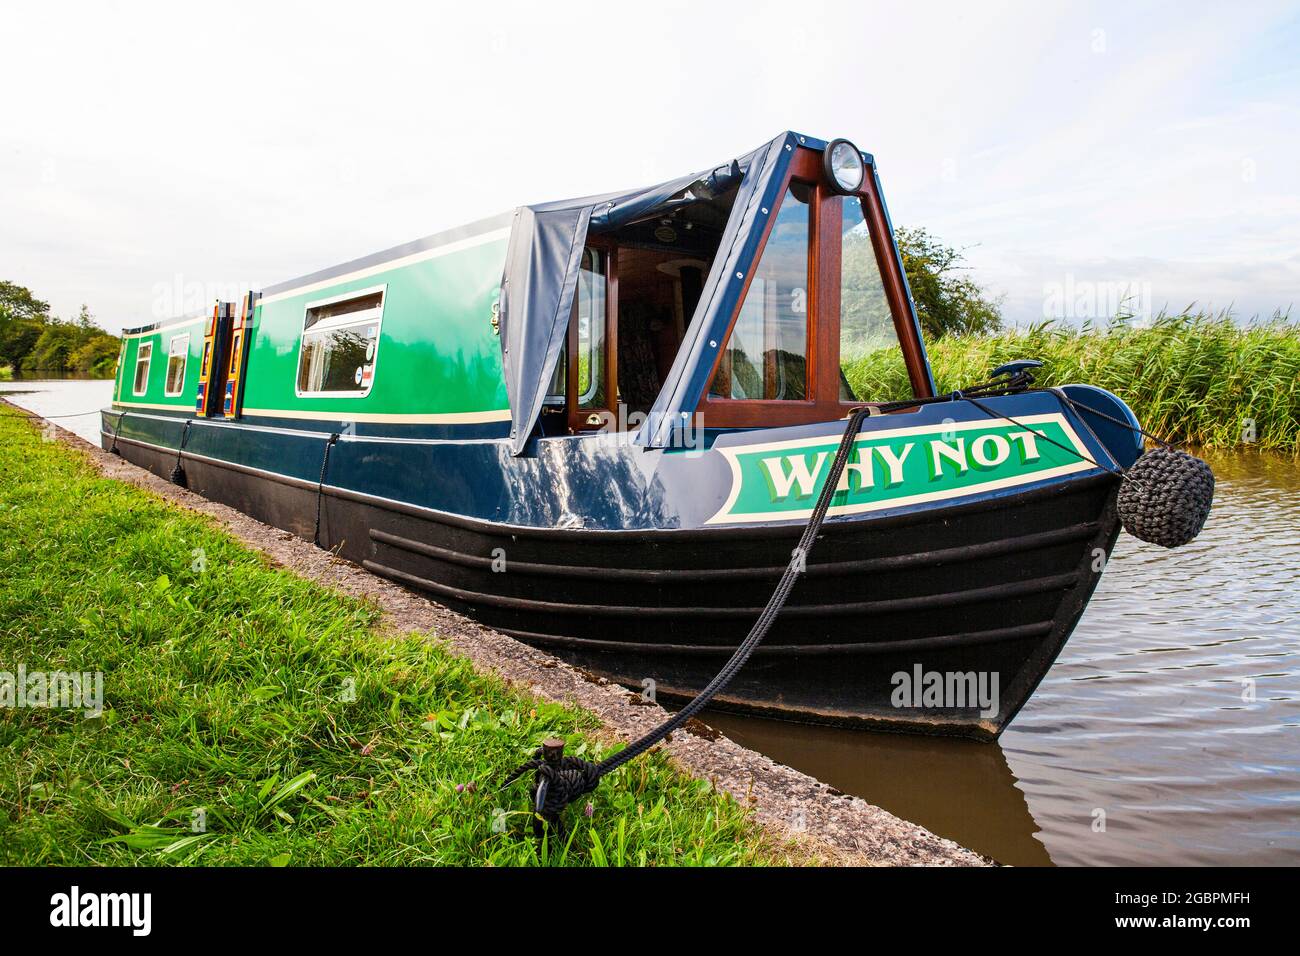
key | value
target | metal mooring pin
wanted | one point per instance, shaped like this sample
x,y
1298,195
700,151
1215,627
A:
x,y
552,754
552,749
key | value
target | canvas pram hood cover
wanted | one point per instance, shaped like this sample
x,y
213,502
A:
x,y
544,258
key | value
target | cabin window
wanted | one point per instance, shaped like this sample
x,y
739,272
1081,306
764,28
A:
x,y
871,357
234,355
340,341
767,354
143,355
178,353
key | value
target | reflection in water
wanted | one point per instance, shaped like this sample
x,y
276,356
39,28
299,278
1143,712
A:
x,y
1174,709
1171,716
961,789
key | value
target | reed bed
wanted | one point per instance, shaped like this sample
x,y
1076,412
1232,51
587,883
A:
x,y
1199,378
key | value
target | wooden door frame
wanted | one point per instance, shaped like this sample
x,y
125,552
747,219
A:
x,y
578,416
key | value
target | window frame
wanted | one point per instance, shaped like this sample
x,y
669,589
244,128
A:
x,y
579,416
378,318
148,367
812,359
562,399
593,388
823,401
185,364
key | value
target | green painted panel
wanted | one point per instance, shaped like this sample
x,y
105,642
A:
x,y
154,394
437,351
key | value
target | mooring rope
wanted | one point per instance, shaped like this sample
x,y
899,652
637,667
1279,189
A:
x,y
112,447
561,780
994,413
31,414
1080,407
320,485
1164,497
178,470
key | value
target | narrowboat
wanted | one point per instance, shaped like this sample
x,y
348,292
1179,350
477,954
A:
x,y
600,425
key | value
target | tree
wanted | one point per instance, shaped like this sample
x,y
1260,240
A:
x,y
33,341
17,302
946,303
97,356
54,348
22,317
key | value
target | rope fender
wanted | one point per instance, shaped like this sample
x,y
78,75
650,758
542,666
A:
x,y
1165,497
177,476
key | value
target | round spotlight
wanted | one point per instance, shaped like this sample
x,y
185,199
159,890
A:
x,y
844,166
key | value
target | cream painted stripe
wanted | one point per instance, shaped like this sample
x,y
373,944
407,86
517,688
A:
x,y
181,407
449,418
422,256
167,328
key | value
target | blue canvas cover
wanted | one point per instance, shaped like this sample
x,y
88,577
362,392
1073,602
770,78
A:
x,y
541,273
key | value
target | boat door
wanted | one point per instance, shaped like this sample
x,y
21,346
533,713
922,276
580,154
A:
x,y
213,367
225,359
240,333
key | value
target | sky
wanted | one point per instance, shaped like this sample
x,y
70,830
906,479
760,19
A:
x,y
1084,156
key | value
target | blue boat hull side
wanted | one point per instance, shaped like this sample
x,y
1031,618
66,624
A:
x,y
625,560
595,482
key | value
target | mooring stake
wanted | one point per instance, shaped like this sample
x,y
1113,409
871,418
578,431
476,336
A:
x,y
552,755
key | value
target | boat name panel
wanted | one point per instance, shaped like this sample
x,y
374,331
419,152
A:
x,y
898,467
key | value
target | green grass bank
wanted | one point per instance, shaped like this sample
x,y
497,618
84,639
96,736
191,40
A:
x,y
252,717
1195,378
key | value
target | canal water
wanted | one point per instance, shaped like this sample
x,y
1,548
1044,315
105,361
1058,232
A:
x,y
1168,732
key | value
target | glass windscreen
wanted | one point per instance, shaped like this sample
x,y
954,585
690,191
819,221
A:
x,y
767,354
871,359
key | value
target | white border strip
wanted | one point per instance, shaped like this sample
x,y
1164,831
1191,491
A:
x,y
174,407
374,270
446,418
164,328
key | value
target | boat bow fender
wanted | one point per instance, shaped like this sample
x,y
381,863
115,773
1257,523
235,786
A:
x,y
1123,442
